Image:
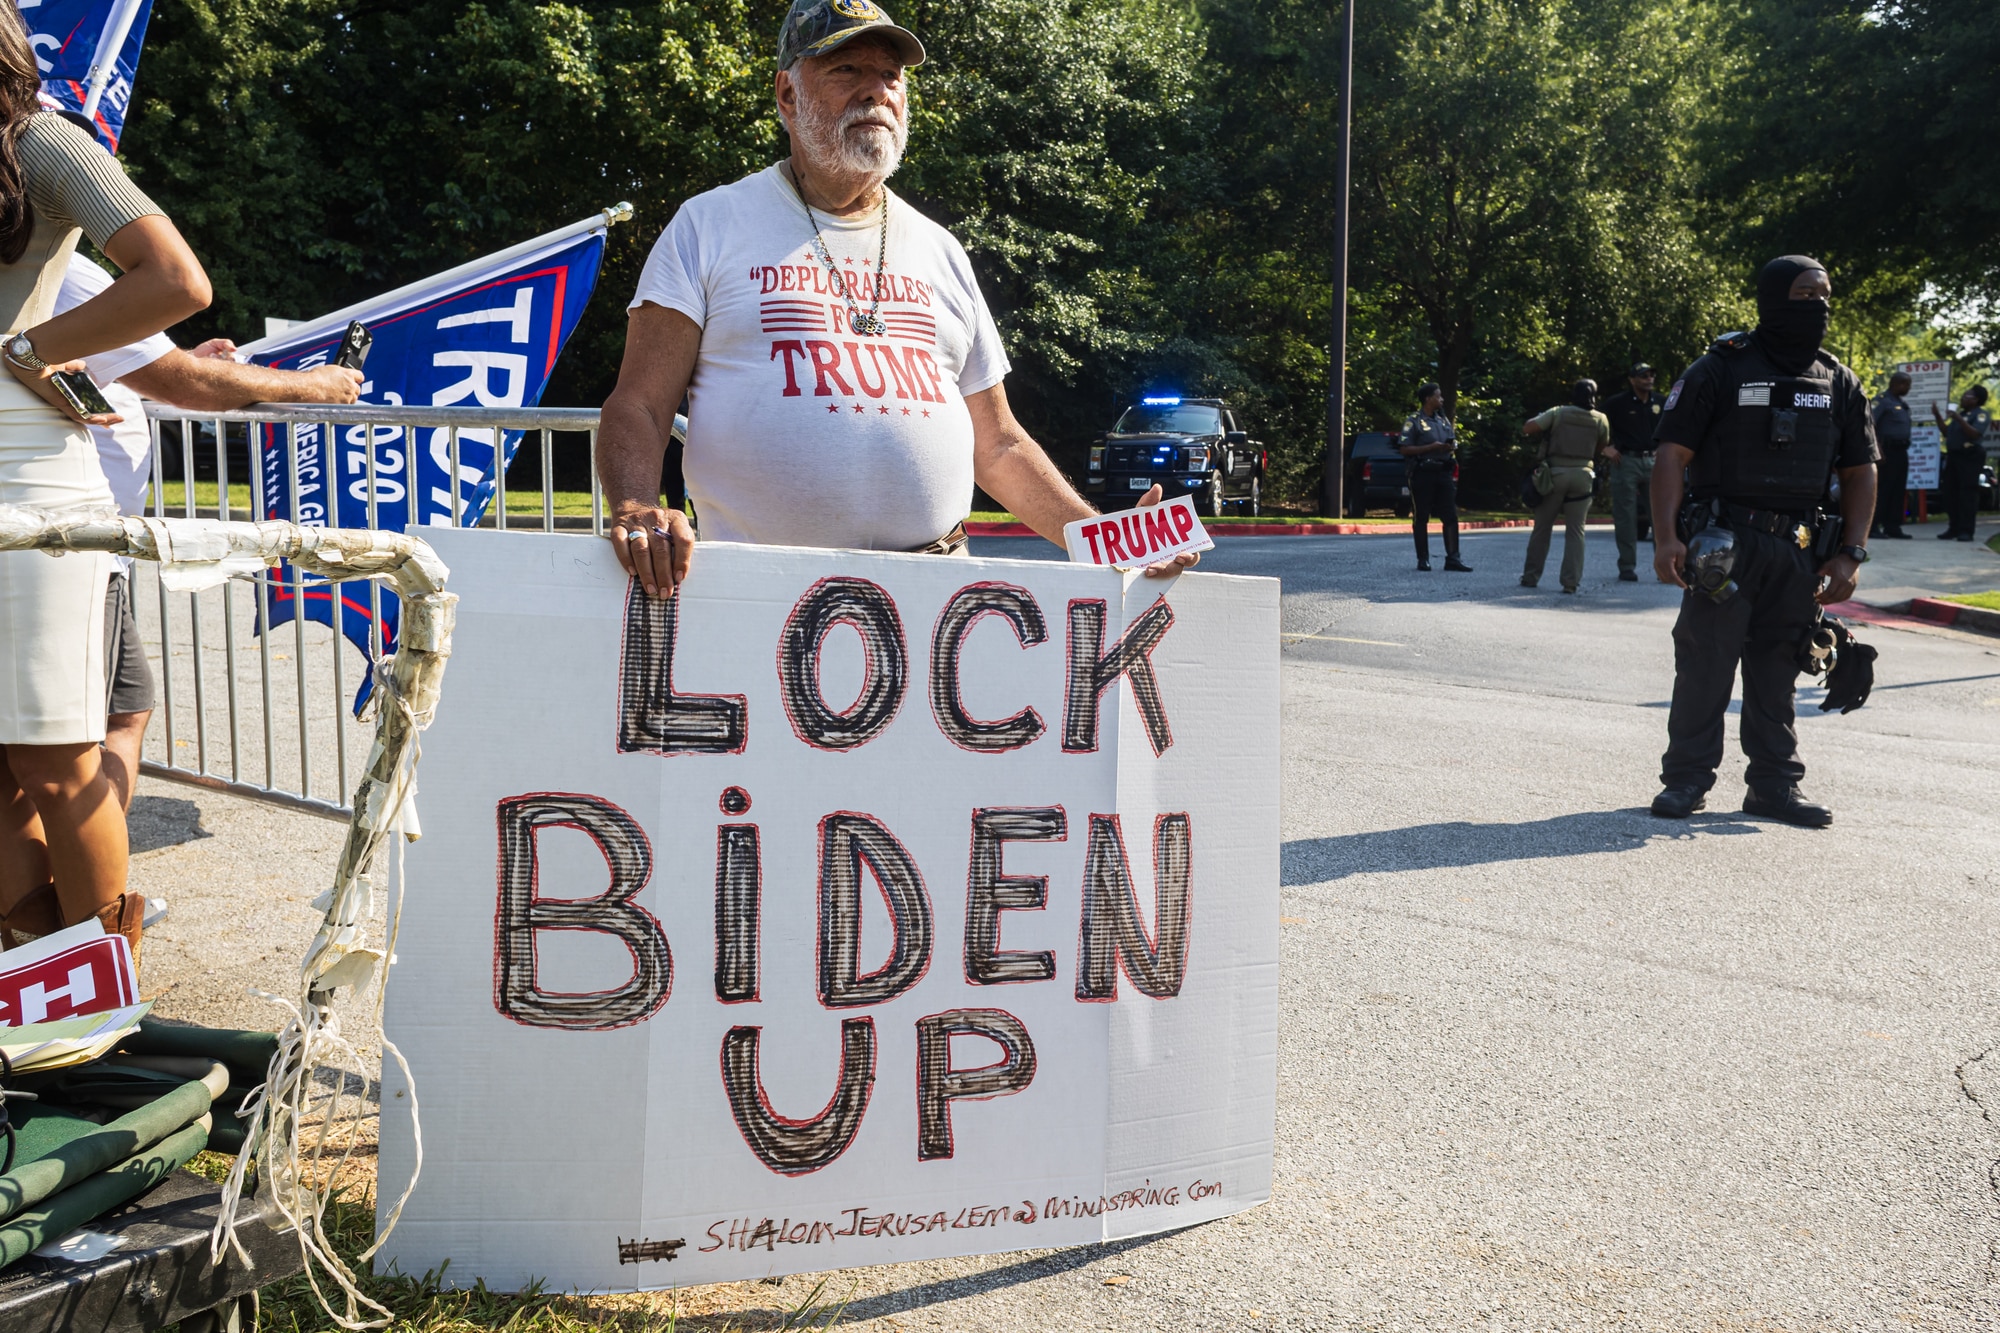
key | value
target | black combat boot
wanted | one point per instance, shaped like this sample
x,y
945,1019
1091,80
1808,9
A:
x,y
1787,804
1679,802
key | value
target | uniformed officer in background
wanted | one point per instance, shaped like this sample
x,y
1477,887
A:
x,y
1431,445
1892,437
1629,462
1964,454
1566,479
1760,425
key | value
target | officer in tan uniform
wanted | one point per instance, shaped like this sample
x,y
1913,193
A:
x,y
1567,477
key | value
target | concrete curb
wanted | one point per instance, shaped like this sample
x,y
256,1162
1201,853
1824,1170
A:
x,y
1956,614
1227,529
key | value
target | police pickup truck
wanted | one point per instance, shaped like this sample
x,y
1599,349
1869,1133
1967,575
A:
x,y
1187,446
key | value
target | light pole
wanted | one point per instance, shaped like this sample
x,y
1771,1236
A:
x,y
1335,477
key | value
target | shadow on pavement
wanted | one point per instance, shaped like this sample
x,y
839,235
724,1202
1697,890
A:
x,y
993,1279
1461,843
162,821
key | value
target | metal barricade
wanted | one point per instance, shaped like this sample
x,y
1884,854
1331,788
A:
x,y
274,722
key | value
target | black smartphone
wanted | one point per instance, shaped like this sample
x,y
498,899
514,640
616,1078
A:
x,y
82,394
354,345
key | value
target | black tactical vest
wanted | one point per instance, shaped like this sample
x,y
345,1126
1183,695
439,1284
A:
x,y
1774,437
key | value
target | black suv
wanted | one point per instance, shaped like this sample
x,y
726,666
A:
x,y
1378,475
1188,446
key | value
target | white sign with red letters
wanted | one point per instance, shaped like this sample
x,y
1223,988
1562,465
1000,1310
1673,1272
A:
x,y
1135,538
80,970
848,908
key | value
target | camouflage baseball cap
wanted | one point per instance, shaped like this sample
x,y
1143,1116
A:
x,y
815,27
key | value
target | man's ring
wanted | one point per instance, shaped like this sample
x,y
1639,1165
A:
x,y
634,534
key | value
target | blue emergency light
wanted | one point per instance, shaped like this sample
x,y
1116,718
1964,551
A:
x,y
1161,402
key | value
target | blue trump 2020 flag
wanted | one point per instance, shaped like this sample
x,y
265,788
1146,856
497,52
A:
x,y
485,334
88,53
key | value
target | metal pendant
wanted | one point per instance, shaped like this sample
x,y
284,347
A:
x,y
868,326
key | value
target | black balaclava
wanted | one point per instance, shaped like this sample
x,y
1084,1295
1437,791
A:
x,y
1790,331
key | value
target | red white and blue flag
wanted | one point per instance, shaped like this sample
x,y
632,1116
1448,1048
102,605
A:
x,y
88,53
485,334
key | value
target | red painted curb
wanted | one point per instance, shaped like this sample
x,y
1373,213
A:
x,y
1921,612
1978,619
1287,529
1938,613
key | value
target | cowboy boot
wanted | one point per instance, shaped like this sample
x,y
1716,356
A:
x,y
37,914
125,916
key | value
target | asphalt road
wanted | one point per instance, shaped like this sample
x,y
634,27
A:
x,y
1546,1062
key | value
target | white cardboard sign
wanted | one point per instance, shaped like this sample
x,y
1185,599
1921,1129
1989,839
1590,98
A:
x,y
1133,538
850,908
1926,458
1930,382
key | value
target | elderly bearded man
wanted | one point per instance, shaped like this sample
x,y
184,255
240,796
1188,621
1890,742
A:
x,y
842,371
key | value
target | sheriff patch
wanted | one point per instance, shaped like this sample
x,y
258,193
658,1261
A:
x,y
1674,394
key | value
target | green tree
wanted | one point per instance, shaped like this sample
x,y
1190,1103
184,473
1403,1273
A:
x,y
319,151
1859,138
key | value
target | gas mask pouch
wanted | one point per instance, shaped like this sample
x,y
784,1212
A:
x,y
1711,560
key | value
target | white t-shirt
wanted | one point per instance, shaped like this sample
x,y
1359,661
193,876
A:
x,y
800,431
125,450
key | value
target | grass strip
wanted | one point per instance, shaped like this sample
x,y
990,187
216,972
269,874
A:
x,y
1987,601
425,1305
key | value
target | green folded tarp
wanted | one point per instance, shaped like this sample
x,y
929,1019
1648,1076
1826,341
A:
x,y
248,1054
64,1212
74,1160
40,1129
68,1170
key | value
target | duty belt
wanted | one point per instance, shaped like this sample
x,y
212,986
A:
x,y
950,544
1793,526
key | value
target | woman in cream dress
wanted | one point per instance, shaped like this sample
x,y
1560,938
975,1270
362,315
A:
x,y
62,833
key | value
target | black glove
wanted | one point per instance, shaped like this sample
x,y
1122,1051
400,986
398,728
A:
x,y
1853,673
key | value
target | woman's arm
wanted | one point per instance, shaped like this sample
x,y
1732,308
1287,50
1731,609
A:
x,y
162,285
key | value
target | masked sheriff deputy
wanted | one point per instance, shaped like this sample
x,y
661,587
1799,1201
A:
x,y
1752,436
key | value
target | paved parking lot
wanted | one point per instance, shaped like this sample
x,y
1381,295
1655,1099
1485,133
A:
x,y
1546,1062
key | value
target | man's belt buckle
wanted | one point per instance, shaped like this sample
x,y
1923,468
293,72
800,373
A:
x,y
1802,535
